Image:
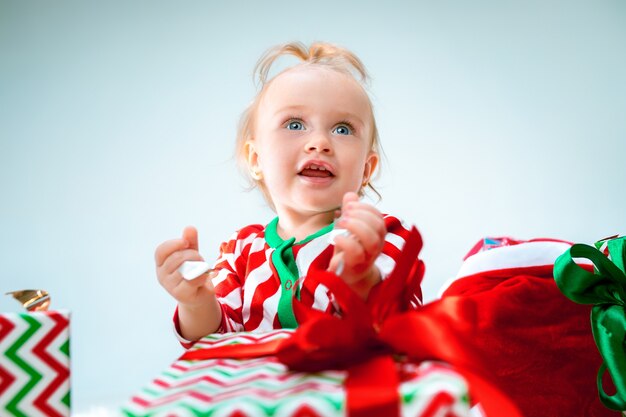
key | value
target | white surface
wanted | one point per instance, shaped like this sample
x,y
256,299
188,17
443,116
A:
x,y
193,269
337,232
496,117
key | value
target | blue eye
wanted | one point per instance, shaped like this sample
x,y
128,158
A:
x,y
343,130
295,125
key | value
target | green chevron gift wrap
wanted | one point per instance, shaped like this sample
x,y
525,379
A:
x,y
35,364
265,387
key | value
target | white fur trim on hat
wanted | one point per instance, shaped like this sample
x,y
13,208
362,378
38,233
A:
x,y
523,255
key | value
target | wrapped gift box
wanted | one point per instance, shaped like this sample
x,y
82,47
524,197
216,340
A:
x,y
605,290
265,387
35,364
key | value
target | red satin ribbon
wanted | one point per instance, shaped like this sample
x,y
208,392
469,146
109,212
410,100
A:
x,y
238,351
363,339
372,388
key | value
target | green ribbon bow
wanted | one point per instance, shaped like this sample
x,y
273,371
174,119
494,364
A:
x,y
606,290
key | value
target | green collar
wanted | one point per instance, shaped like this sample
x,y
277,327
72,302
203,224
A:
x,y
285,265
274,240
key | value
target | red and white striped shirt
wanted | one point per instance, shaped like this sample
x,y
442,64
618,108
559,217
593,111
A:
x,y
256,268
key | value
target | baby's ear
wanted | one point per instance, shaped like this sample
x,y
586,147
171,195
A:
x,y
252,158
370,167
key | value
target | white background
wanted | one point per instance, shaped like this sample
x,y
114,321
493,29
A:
x,y
117,125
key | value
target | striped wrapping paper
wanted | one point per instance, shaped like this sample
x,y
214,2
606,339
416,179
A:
x,y
264,387
35,364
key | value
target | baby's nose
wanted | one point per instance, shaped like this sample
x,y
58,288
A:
x,y
319,143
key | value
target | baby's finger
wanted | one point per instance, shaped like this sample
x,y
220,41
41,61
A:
x,y
349,197
374,220
182,288
349,204
199,280
366,236
351,249
208,279
369,231
360,206
336,263
165,249
190,234
189,290
175,260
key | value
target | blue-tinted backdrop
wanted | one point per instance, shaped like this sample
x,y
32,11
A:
x,y
117,124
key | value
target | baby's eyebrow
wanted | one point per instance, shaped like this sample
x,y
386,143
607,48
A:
x,y
351,117
302,108
287,109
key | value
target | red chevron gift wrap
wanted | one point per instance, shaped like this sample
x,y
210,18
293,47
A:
x,y
35,364
265,387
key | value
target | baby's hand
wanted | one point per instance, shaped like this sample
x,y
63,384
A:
x,y
359,250
169,256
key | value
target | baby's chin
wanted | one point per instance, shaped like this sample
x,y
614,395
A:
x,y
328,209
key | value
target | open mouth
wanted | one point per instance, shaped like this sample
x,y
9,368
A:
x,y
316,171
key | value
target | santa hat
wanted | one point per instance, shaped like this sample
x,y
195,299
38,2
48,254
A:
x,y
540,346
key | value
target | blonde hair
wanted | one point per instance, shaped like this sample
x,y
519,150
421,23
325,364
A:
x,y
319,54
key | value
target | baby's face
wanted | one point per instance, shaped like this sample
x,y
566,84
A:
x,y
313,139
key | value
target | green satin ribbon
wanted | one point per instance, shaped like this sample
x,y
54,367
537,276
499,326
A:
x,y
606,290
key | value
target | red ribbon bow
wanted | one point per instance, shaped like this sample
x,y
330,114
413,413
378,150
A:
x,y
366,336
